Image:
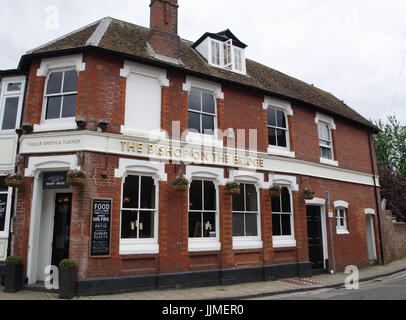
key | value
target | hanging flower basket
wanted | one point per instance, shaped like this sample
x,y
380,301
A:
x,y
76,178
233,188
308,194
15,180
275,191
181,184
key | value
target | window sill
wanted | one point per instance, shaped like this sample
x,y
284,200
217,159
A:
x,y
153,134
277,243
342,231
128,247
201,245
241,244
329,162
275,151
204,139
56,126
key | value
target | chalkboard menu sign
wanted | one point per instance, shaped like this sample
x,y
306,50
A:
x,y
100,228
55,180
3,207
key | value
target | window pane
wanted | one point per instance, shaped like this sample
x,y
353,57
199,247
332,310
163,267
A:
x,y
69,106
326,153
209,196
251,198
281,138
196,195
129,224
324,131
276,204
146,225
195,225
3,207
147,193
130,193
3,186
208,103
194,121
251,224
271,117
208,124
53,108
195,102
209,225
281,120
70,84
15,86
286,228
54,83
238,200
285,200
10,113
276,225
238,224
272,136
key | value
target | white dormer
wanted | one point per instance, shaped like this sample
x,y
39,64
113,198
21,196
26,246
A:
x,y
223,50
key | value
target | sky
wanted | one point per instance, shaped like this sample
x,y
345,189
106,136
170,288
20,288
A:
x,y
355,49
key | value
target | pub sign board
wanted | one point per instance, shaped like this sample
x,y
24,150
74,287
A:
x,y
55,180
100,233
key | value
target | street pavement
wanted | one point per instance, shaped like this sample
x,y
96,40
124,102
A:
x,y
256,290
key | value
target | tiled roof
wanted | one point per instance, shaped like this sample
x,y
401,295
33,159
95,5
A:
x,y
130,39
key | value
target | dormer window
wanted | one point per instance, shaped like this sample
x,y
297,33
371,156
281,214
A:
x,y
223,50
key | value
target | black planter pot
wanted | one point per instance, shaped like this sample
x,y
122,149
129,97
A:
x,y
13,279
67,284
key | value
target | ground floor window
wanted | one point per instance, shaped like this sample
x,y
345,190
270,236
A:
x,y
245,212
138,211
3,203
282,217
341,217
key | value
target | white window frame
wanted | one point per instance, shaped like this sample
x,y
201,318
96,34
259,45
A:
x,y
231,62
48,66
216,91
216,175
12,94
156,170
339,207
286,108
331,125
290,239
5,233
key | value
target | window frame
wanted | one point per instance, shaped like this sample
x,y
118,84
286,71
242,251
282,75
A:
x,y
12,94
5,233
290,238
201,113
231,65
329,121
326,146
341,206
279,128
140,245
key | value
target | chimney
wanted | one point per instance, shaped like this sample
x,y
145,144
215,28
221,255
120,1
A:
x,y
163,39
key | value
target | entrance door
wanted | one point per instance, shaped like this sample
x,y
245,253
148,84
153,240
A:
x,y
60,243
371,238
315,237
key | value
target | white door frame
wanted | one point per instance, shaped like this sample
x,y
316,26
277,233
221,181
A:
x,y
36,166
319,202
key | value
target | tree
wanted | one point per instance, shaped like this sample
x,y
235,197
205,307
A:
x,y
390,146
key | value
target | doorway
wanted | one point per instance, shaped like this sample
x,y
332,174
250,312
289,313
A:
x,y
315,237
371,238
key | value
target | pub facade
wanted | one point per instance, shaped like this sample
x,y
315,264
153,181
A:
x,y
136,110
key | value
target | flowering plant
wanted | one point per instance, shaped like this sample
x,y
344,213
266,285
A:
x,y
14,176
76,174
232,185
181,181
308,192
276,189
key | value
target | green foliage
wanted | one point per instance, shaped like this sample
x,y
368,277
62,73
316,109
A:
x,y
14,261
76,174
67,264
232,185
308,191
181,181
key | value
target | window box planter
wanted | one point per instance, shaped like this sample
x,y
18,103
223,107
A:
x,y
13,278
67,279
76,178
181,184
15,180
275,191
233,188
308,194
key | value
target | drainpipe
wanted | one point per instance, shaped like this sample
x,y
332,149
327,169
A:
x,y
19,133
376,197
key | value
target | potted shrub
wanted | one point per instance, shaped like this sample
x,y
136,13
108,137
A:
x,y
15,180
308,194
181,184
13,278
275,191
75,178
67,279
233,188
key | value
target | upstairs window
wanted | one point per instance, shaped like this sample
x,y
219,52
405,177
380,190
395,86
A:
x,y
202,112
61,95
11,103
227,56
325,141
277,128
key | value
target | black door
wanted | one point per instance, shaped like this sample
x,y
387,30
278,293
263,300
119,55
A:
x,y
315,237
60,244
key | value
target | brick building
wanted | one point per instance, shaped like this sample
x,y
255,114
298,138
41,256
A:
x,y
135,108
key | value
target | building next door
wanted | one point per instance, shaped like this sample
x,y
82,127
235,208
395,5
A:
x,y
315,237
